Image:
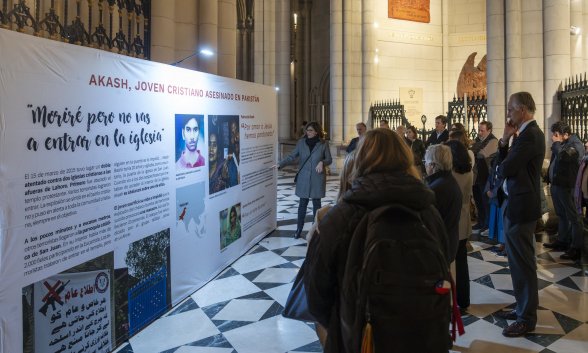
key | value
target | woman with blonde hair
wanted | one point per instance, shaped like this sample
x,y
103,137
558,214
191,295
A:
x,y
383,174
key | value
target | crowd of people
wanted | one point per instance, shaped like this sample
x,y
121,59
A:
x,y
439,181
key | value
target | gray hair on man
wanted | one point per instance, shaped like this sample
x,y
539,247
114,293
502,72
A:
x,y
439,157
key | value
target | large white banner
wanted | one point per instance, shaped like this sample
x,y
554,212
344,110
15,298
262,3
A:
x,y
156,176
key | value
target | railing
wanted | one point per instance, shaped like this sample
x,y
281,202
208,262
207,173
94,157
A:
x,y
574,105
392,111
468,112
121,26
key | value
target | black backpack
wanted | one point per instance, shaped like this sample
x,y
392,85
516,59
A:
x,y
396,285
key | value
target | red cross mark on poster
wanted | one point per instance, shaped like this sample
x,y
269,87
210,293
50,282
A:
x,y
52,295
51,292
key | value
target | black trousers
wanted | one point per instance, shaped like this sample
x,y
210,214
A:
x,y
302,205
462,275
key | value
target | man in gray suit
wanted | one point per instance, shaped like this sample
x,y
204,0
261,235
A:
x,y
520,167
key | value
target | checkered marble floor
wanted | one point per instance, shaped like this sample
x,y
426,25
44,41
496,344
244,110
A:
x,y
239,311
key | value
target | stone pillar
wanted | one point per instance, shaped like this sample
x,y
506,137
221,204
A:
x,y
576,20
186,29
514,68
556,48
447,89
532,52
208,35
227,38
336,48
496,65
283,66
584,33
368,57
163,39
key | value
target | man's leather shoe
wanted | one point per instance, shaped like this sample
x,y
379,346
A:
x,y
556,245
297,234
517,329
572,254
507,315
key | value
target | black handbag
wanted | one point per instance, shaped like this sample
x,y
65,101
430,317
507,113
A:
x,y
296,307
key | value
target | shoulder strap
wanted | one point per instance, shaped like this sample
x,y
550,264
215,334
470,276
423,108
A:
x,y
303,163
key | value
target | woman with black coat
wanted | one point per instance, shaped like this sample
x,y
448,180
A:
x,y
383,174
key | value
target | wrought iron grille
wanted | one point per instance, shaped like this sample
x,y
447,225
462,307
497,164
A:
x,y
469,113
121,26
574,105
392,111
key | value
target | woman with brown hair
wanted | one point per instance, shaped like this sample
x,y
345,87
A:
x,y
313,156
417,146
383,174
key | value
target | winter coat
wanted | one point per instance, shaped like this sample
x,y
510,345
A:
x,y
564,163
325,263
465,182
418,150
448,201
310,184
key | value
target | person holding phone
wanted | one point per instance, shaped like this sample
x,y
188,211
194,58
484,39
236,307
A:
x,y
314,155
520,167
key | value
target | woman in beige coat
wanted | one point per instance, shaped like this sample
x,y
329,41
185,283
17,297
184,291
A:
x,y
462,172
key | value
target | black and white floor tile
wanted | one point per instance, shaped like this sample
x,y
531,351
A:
x,y
239,311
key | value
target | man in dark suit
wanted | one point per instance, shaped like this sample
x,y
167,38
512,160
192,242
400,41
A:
x,y
520,166
440,134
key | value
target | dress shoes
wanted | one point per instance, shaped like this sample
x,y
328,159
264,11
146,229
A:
x,y
556,245
572,254
517,329
507,315
298,233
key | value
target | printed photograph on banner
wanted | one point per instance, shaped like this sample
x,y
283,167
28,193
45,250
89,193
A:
x,y
223,152
71,311
230,225
189,139
190,208
142,283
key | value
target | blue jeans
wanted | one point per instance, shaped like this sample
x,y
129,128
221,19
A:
x,y
316,204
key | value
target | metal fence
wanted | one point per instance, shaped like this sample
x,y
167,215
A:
x,y
468,112
392,111
147,300
574,105
121,26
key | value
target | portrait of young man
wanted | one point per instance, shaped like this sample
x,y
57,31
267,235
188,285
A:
x,y
188,132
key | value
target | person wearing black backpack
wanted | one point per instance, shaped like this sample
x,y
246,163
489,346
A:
x,y
377,275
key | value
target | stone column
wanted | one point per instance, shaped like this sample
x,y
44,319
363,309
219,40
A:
x,y
496,65
584,33
514,68
186,31
163,40
532,52
283,66
556,48
227,38
208,35
336,48
576,20
368,57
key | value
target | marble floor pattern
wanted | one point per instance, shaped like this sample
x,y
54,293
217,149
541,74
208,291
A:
x,y
240,310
